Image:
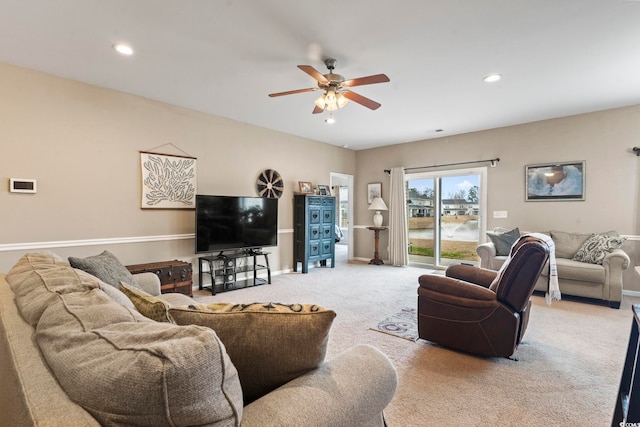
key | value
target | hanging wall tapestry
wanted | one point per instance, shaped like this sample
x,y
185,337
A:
x,y
168,181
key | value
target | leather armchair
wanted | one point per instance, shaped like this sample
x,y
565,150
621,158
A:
x,y
482,311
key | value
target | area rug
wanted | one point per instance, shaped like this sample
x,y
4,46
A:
x,y
402,324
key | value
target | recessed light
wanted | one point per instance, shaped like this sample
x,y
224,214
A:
x,y
123,49
491,78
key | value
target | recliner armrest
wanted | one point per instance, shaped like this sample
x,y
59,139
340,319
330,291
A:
x,y
450,287
469,273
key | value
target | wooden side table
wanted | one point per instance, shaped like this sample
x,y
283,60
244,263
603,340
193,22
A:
x,y
376,255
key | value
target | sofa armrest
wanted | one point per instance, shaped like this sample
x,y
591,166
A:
x,y
614,264
351,389
486,252
150,282
617,259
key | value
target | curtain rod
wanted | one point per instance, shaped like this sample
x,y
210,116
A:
x,y
492,161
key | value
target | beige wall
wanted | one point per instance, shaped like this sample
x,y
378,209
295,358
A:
x,y
82,144
603,139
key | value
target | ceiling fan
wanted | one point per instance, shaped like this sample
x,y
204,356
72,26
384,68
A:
x,y
336,94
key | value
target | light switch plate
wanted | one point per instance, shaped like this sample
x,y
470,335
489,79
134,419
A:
x,y
499,214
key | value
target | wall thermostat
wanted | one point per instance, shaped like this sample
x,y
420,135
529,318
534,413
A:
x,y
20,185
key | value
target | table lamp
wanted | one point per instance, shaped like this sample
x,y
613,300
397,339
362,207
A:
x,y
377,205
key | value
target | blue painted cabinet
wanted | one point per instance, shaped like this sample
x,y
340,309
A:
x,y
313,230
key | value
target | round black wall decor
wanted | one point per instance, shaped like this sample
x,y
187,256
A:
x,y
269,184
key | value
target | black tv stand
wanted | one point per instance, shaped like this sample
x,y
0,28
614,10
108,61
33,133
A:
x,y
233,270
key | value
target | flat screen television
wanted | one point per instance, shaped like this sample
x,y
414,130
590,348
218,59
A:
x,y
233,222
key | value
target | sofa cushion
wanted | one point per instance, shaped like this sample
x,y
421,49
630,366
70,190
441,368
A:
x,y
503,240
597,246
567,244
36,279
128,370
147,305
105,267
579,271
269,343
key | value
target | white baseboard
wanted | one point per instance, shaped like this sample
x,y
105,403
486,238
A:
x,y
631,293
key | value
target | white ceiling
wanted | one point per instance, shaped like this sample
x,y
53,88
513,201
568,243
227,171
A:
x,y
557,58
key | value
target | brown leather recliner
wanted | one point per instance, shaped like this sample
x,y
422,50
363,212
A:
x,y
482,311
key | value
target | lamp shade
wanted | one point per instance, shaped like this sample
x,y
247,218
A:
x,y
377,205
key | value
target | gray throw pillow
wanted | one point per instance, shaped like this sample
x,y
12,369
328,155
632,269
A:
x,y
503,241
105,267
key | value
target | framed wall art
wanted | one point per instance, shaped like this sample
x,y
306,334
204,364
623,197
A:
x,y
555,181
168,181
374,190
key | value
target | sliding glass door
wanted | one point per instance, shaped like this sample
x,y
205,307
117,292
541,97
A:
x,y
445,214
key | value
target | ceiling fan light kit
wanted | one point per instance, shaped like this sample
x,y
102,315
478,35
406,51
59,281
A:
x,y
336,95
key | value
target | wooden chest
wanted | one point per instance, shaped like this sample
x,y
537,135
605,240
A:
x,y
175,276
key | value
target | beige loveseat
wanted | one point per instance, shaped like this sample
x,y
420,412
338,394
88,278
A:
x,y
601,282
70,355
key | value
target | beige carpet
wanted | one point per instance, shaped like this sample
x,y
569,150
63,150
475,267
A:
x,y
569,364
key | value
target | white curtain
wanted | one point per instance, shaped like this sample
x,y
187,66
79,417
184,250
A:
x,y
398,244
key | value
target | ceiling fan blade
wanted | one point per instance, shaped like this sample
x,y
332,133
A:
x,y
369,103
377,78
291,92
317,110
314,73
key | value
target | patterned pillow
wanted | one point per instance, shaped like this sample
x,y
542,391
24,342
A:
x,y
270,344
597,246
105,267
503,240
146,304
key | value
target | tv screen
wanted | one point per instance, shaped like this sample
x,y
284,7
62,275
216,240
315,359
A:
x,y
233,222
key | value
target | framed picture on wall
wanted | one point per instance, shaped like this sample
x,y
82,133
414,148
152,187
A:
x,y
168,181
555,181
374,190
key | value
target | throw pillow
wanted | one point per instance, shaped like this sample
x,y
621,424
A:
x,y
146,304
596,247
105,267
503,240
125,369
270,344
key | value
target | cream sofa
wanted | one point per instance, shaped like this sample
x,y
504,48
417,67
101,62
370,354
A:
x,y
602,283
49,315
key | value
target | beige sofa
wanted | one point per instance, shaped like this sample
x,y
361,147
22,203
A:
x,y
598,282
47,323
